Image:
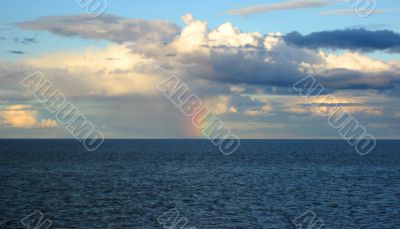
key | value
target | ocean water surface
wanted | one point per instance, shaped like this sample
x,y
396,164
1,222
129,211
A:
x,y
265,184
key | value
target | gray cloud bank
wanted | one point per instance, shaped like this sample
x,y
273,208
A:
x,y
352,39
107,27
218,59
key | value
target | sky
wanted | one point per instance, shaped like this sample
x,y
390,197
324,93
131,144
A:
x,y
241,58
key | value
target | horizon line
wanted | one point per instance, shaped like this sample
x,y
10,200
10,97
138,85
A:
x,y
333,139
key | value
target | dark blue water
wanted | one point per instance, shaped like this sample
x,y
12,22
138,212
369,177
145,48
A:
x,y
129,183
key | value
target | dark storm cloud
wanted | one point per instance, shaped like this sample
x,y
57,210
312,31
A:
x,y
352,39
106,27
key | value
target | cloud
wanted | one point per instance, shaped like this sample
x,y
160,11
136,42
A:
x,y
258,112
351,39
349,103
113,71
18,116
298,110
219,104
344,12
228,56
360,103
354,71
253,126
224,55
29,40
288,5
48,123
11,74
17,52
25,40
376,26
23,117
106,27
243,77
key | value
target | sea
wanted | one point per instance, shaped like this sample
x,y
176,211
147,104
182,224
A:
x,y
188,184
